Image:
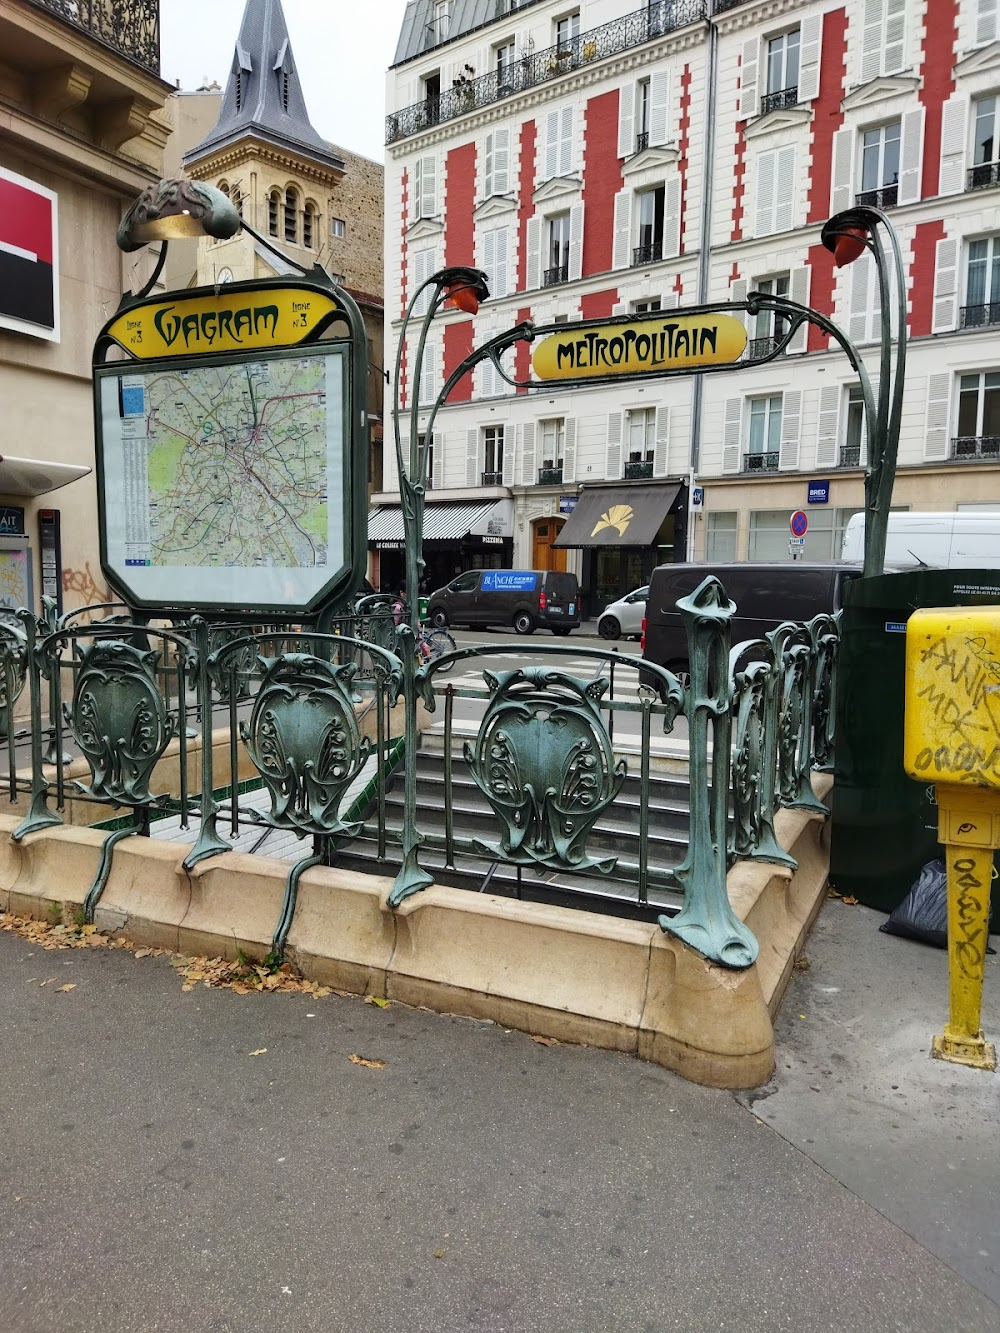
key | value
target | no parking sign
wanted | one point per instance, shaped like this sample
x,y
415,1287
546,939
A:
x,y
799,523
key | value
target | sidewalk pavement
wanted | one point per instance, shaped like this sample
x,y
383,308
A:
x,y
856,1090
207,1160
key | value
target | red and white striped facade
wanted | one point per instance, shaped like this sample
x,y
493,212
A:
x,y
484,187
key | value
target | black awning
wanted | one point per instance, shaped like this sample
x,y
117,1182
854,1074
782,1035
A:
x,y
618,515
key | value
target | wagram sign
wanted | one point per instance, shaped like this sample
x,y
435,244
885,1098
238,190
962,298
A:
x,y
652,346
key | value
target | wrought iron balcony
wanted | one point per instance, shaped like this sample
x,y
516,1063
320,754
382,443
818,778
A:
x,y
976,446
492,479
611,39
761,462
883,197
979,316
642,141
758,348
130,27
550,476
984,175
850,455
553,276
647,254
638,471
722,5
779,100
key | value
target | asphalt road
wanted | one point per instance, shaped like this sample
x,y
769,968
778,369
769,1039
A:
x,y
159,1177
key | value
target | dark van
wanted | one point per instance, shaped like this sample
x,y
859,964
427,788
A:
x,y
525,598
765,595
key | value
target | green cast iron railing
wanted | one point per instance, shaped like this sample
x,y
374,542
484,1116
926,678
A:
x,y
313,715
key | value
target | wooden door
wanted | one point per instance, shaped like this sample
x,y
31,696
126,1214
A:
x,y
543,554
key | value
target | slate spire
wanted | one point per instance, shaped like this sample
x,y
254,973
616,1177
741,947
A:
x,y
263,96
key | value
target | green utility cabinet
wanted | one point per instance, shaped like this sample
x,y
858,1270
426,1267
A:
x,y
884,825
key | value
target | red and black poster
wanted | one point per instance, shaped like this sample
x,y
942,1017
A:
x,y
29,257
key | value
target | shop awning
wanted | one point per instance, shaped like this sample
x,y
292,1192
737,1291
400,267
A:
x,y
35,476
445,522
618,515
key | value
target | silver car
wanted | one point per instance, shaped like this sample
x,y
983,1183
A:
x,y
623,619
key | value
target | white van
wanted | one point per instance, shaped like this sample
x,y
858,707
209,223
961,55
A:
x,y
963,539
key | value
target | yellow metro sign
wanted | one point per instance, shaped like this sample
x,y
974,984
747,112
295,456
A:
x,y
684,342
229,320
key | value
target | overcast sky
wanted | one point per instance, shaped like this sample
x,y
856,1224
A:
x,y
342,50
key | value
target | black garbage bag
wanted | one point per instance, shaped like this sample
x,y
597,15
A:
x,y
923,913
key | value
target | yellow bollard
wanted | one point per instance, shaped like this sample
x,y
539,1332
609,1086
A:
x,y
952,738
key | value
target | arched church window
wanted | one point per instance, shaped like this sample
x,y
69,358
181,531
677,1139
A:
x,y
273,209
309,225
291,216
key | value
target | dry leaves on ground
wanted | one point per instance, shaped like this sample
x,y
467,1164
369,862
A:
x,y
546,1041
366,1064
377,1000
241,975
262,1050
70,985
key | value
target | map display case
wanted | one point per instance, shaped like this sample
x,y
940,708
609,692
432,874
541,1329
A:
x,y
230,451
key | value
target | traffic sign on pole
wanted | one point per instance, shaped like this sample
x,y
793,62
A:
x,y
799,523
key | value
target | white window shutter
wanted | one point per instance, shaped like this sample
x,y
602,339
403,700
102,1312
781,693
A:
x,y
662,441
472,468
575,242
613,459
427,186
428,374
828,434
437,462
534,244
620,308
659,97
936,424
784,199
528,477
551,145
500,271
738,292
670,301
954,119
489,254
986,22
945,285
626,120
566,141
894,50
488,188
863,278
423,268
810,50
766,187
732,435
501,161
672,217
871,41
843,170
623,229
509,436
791,425
798,285
748,79
569,450
911,155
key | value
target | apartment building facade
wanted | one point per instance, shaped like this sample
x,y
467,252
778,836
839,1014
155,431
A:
x,y
81,134
597,159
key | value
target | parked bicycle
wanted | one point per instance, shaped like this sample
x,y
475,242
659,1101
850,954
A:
x,y
434,643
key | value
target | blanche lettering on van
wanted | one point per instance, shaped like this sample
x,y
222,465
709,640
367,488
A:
x,y
508,580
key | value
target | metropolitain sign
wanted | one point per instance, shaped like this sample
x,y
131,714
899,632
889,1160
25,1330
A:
x,y
684,342
232,320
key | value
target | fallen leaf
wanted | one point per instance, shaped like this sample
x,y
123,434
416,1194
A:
x,y
240,990
546,1041
87,930
439,1254
849,901
70,985
377,999
262,1051
366,1064
143,953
